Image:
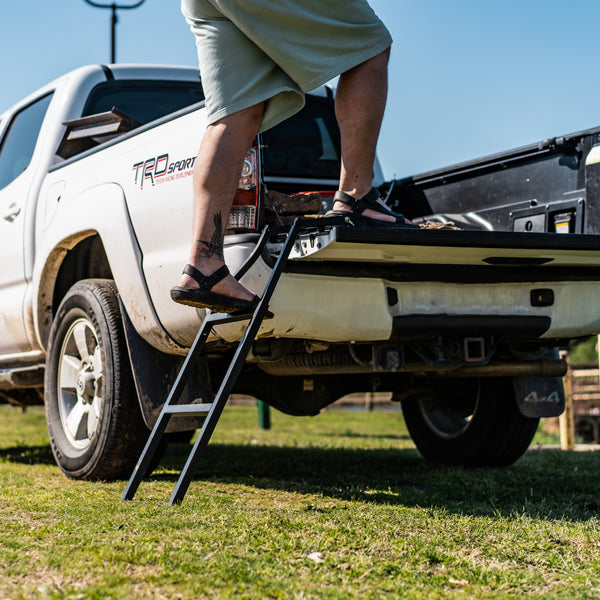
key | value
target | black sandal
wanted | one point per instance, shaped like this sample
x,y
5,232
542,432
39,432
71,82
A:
x,y
202,297
369,201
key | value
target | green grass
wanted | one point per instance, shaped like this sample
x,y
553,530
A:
x,y
584,352
337,506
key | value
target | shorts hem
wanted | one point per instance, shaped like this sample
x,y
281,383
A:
x,y
249,102
348,64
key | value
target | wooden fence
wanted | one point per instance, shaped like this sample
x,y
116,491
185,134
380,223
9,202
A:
x,y
582,384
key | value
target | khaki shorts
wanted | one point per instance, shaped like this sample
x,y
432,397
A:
x,y
252,51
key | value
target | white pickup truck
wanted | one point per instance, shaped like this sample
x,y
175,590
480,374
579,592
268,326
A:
x,y
96,200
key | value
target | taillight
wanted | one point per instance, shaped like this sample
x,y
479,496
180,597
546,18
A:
x,y
248,176
245,204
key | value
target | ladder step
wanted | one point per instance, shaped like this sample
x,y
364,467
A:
x,y
221,318
188,410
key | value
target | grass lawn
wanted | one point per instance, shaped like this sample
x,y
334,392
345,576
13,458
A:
x,y
336,506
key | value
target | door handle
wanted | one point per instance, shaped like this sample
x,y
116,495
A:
x,y
11,213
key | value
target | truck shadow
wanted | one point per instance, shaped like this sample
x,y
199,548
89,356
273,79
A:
x,y
28,455
545,483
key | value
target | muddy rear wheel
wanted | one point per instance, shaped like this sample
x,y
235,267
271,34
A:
x,y
94,421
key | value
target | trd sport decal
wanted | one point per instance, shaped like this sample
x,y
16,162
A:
x,y
160,170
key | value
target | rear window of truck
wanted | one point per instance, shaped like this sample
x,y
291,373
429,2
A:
x,y
145,101
305,145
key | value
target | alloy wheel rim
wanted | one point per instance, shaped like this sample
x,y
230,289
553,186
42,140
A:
x,y
80,384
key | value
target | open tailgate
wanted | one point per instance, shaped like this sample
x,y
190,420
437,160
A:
x,y
450,247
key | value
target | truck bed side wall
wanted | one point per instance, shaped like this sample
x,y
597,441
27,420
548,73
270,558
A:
x,y
545,180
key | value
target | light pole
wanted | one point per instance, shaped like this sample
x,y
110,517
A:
x,y
113,21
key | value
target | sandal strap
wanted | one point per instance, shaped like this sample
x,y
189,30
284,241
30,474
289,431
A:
x,y
340,196
367,201
206,282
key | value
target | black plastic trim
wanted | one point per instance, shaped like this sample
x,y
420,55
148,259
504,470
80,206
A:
x,y
516,261
468,239
108,73
505,326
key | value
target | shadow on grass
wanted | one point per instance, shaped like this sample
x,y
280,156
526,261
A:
x,y
28,455
544,483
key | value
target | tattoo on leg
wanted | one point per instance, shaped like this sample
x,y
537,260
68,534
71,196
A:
x,y
214,247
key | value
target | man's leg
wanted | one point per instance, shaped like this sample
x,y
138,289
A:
x,y
360,103
216,174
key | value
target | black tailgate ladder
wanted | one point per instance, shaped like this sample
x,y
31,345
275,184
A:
x,y
210,411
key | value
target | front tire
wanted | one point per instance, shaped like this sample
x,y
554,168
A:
x,y
94,421
470,422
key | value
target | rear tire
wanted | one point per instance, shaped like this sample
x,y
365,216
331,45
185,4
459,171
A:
x,y
470,422
94,421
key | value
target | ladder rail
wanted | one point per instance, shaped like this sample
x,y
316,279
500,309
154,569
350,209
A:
x,y
216,407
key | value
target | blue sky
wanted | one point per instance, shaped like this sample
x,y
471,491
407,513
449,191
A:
x,y
467,77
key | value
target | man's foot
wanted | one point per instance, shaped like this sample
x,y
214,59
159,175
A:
x,y
228,286
219,291
368,210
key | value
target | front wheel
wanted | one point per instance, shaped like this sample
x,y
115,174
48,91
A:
x,y
94,421
470,422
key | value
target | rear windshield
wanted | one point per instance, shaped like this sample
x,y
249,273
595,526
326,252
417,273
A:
x,y
143,100
306,145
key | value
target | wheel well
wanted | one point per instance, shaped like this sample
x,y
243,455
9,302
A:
x,y
86,260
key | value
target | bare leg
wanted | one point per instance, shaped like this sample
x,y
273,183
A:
x,y
360,104
216,173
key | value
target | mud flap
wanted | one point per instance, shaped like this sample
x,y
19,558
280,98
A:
x,y
154,373
539,397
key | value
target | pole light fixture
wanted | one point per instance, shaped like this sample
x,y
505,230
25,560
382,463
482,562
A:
x,y
114,20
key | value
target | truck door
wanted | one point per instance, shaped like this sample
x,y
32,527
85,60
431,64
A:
x,y
16,151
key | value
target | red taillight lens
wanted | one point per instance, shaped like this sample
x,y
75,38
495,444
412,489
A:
x,y
245,203
248,175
